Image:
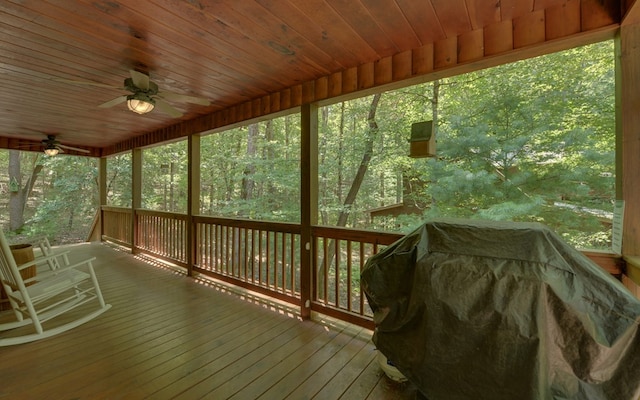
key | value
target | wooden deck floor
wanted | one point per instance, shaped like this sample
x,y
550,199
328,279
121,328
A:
x,y
168,336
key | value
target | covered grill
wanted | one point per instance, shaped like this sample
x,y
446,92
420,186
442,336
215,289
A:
x,y
494,310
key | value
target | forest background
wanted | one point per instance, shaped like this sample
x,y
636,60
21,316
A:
x,y
528,141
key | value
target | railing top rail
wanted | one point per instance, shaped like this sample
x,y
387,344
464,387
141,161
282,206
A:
x,y
116,209
273,226
164,214
367,236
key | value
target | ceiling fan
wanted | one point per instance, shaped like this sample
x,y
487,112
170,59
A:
x,y
145,95
52,147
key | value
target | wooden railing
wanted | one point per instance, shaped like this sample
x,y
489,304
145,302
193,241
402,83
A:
x,y
265,256
162,234
117,225
339,257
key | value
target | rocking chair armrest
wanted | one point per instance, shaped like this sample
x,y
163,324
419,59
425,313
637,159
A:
x,y
39,260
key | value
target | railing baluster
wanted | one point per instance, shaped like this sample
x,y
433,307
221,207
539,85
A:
x,y
280,256
292,264
224,261
326,272
197,229
350,287
285,261
361,265
217,249
336,245
260,255
268,258
209,243
252,255
245,259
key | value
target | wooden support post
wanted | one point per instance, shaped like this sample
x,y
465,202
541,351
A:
x,y
102,189
309,201
628,135
136,195
193,200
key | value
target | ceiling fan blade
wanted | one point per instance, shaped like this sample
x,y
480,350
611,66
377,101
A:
x,y
167,108
139,79
62,146
181,97
86,83
116,101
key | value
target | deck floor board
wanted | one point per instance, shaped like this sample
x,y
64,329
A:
x,y
168,336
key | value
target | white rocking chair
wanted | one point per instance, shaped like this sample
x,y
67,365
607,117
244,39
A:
x,y
58,260
49,294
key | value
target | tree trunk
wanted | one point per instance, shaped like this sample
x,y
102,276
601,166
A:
x,y
16,204
19,194
351,196
322,154
72,213
247,181
364,164
266,189
171,184
340,152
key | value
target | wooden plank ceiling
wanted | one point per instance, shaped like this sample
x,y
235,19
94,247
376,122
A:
x,y
249,58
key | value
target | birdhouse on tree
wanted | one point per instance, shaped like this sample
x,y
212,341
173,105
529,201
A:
x,y
423,141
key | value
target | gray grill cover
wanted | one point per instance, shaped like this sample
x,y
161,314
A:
x,y
485,310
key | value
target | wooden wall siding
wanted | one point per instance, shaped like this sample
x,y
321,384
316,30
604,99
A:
x,y
601,13
503,41
562,20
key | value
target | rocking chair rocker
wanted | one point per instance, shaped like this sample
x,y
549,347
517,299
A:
x,y
53,292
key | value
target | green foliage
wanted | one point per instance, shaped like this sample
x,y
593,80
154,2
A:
x,y
164,177
64,200
119,180
528,141
253,172
536,139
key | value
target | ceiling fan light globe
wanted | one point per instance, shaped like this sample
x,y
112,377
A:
x,y
139,106
51,151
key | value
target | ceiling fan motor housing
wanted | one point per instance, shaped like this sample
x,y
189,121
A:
x,y
130,86
50,141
